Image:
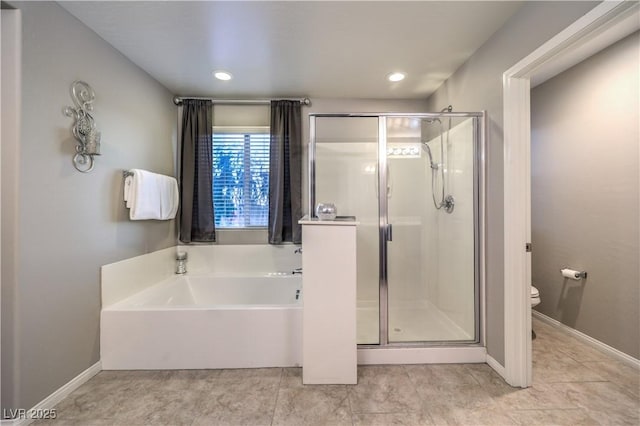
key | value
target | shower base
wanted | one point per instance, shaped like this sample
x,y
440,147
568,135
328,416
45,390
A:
x,y
425,323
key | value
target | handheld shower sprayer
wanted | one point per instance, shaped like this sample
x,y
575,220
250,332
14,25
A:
x,y
434,166
438,169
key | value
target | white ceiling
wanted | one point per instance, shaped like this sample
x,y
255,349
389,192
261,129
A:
x,y
296,48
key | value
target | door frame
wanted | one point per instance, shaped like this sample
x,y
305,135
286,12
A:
x,y
10,116
597,29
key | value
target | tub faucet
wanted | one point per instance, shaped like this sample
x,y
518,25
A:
x,y
298,250
181,266
297,271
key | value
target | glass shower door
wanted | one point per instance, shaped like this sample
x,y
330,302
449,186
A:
x,y
430,248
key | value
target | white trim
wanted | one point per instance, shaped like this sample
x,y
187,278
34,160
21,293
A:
x,y
597,344
625,24
52,400
445,355
10,119
16,422
604,16
516,93
482,222
517,316
496,365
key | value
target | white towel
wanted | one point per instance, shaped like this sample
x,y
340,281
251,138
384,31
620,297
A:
x,y
151,196
168,198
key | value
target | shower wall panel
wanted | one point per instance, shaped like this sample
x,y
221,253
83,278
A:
x,y
346,158
449,247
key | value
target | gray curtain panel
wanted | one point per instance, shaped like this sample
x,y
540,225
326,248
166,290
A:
x,y
197,222
285,172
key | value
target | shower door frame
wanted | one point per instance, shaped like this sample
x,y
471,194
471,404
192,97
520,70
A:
x,y
479,220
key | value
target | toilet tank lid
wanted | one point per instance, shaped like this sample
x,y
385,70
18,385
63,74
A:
x,y
534,292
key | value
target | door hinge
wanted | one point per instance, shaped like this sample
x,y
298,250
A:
x,y
527,247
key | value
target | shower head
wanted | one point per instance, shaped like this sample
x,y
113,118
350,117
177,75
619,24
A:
x,y
434,166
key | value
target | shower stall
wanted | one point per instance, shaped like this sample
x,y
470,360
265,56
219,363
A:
x,y
415,182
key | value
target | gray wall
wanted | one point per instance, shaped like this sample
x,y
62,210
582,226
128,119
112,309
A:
x,y
69,224
585,127
477,85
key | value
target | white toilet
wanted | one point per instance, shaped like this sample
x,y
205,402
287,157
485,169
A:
x,y
535,297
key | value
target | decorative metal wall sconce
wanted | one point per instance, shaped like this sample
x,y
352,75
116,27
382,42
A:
x,y
84,129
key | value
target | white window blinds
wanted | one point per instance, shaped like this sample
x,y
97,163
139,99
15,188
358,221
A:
x,y
241,177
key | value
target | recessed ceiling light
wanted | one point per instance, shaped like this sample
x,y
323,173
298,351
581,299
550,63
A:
x,y
222,75
396,76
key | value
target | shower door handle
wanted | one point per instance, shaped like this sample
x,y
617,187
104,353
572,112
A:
x,y
389,232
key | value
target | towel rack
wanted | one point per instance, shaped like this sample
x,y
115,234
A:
x,y
125,175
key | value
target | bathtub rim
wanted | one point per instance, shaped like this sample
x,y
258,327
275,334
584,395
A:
x,y
174,308
124,278
126,305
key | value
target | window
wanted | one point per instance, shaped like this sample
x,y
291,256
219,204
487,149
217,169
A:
x,y
241,177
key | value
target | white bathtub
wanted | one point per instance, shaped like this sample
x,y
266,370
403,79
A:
x,y
207,320
219,292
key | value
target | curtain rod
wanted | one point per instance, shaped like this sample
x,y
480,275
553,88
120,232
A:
x,y
178,100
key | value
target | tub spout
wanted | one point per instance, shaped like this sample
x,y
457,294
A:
x,y
181,265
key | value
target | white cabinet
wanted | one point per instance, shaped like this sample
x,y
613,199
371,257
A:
x,y
329,349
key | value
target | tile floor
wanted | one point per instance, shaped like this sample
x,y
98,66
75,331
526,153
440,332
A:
x,y
573,385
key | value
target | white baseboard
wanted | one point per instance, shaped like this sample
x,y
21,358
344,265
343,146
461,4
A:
x,y
613,352
499,368
52,400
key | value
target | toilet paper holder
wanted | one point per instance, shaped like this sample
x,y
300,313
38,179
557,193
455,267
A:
x,y
573,274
